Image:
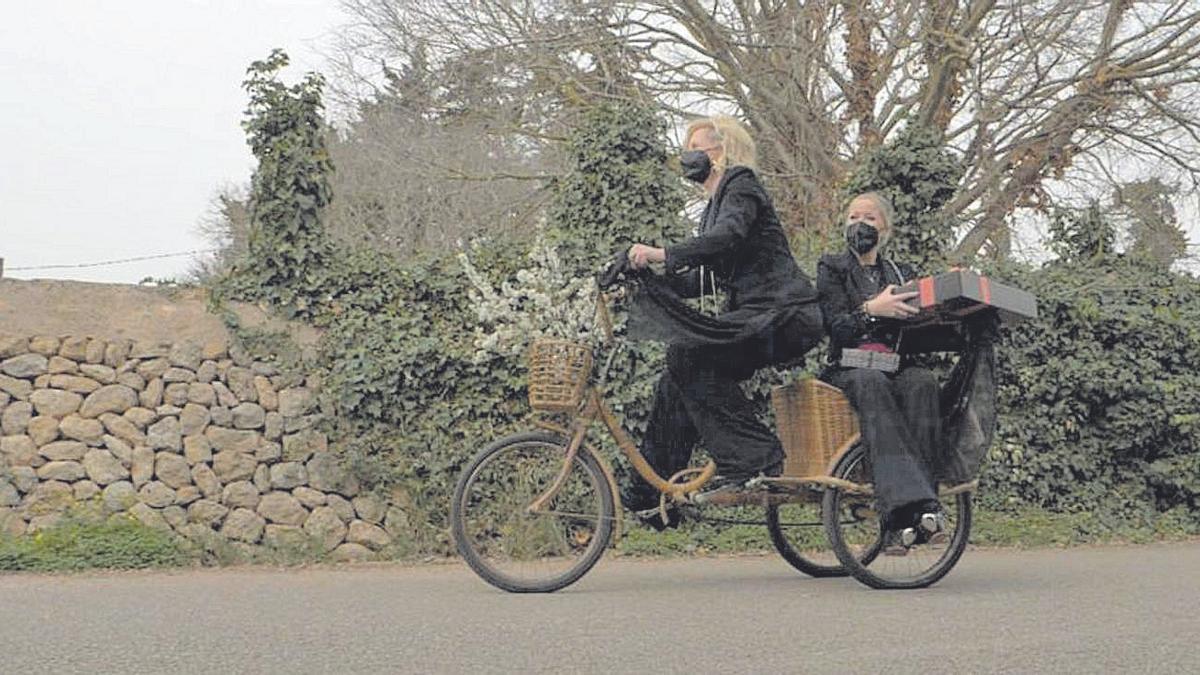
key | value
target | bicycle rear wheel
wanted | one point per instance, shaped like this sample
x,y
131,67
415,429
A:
x,y
857,536
520,551
796,532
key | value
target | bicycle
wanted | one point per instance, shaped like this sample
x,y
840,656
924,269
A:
x,y
534,511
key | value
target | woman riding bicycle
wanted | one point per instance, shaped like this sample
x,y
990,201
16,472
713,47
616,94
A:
x,y
898,411
742,248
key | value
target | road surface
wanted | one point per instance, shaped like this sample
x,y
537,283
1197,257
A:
x,y
1084,610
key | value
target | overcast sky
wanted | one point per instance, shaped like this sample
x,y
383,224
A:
x,y
120,120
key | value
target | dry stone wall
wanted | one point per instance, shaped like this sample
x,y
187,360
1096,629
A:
x,y
193,438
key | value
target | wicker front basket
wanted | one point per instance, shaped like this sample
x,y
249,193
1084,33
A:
x,y
558,374
814,420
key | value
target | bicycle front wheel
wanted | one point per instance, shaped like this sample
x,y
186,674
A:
x,y
515,548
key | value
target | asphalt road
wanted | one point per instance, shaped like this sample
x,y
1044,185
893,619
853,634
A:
x,y
1087,610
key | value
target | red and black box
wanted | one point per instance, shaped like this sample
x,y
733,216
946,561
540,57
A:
x,y
946,299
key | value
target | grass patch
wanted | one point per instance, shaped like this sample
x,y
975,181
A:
x,y
77,543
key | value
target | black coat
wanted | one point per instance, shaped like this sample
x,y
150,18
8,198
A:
x,y
843,286
741,242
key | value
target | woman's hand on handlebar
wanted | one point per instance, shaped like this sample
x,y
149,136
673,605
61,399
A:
x,y
641,255
891,305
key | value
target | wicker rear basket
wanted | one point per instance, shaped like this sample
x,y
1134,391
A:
x,y
558,374
814,420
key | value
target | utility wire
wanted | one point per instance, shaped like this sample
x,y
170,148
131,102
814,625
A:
x,y
111,262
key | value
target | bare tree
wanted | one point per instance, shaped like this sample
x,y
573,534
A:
x,y
1043,98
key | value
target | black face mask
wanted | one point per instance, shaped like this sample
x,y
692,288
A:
x,y
861,236
696,165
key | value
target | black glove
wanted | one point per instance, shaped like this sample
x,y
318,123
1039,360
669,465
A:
x,y
615,270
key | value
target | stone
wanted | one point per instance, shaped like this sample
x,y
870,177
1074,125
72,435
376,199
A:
x,y
122,428
273,426
45,522
66,471
325,527
165,434
119,449
240,355
175,516
156,494
11,523
142,468
18,450
114,398
248,416
83,430
49,496
268,453
288,475
207,481
46,345
221,416
41,381
202,394
16,417
151,396
371,536
143,349
197,450
24,478
25,365
370,508
167,411
60,366
187,494
243,525
116,353
5,398
103,467
15,387
75,383
74,348
262,478
148,516
178,375
63,450
295,401
303,445
100,373
326,474
139,416
285,536
85,490
95,350
207,372
119,496
341,506
9,496
224,396
153,369
232,439
132,380
351,553
282,508
42,429
186,355
241,383
240,494
309,497
230,466
214,350
264,368
176,394
172,469
207,512
11,345
268,398
55,403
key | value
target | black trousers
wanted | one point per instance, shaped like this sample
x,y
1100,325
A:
x,y
900,418
698,399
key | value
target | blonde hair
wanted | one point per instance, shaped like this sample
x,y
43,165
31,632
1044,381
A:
x,y
885,208
737,147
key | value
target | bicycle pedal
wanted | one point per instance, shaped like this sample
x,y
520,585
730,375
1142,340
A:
x,y
908,537
933,523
